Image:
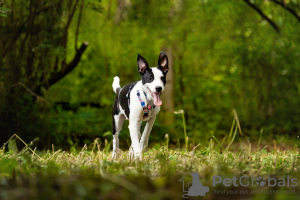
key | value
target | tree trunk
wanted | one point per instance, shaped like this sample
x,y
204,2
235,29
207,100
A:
x,y
168,94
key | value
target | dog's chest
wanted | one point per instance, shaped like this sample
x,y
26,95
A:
x,y
141,105
146,106
151,113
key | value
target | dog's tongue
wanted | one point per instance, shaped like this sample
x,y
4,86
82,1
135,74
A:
x,y
156,98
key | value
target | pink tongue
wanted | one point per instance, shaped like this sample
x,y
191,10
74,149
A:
x,y
156,98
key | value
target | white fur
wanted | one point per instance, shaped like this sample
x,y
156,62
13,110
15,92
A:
x,y
116,84
119,119
139,142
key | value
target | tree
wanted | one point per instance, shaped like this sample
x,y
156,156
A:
x,y
34,56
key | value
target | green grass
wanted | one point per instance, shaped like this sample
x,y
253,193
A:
x,y
90,173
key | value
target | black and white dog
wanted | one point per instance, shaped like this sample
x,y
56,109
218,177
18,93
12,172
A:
x,y
139,101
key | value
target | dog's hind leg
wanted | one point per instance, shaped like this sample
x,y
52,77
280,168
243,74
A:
x,y
145,137
118,121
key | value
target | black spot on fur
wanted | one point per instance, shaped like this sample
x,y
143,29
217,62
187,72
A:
x,y
115,111
148,76
164,79
123,101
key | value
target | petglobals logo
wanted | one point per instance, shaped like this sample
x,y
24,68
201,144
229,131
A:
x,y
246,181
192,185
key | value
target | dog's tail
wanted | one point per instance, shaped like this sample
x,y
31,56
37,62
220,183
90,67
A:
x,y
116,85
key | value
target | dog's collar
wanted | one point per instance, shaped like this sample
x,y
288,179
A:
x,y
145,108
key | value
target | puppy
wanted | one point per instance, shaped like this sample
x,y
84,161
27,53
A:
x,y
139,101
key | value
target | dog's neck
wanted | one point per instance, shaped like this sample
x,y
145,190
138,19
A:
x,y
148,94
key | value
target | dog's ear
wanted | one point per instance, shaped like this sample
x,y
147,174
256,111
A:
x,y
142,64
163,62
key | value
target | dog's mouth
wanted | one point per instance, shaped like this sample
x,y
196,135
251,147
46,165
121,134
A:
x,y
156,97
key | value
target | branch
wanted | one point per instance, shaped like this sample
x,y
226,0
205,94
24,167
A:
x,y
55,77
78,25
262,15
287,8
22,27
67,68
70,17
38,98
64,39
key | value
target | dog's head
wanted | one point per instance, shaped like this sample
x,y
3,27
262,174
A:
x,y
154,79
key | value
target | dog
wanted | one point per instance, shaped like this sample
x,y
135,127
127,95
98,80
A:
x,y
139,101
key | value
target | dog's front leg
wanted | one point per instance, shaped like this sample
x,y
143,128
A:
x,y
146,133
134,129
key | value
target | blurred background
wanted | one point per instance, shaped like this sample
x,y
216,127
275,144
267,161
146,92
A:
x,y
59,57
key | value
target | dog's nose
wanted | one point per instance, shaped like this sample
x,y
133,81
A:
x,y
158,88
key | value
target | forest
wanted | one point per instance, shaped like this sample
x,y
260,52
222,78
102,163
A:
x,y
234,75
58,60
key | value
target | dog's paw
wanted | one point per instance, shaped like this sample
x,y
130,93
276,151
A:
x,y
144,146
144,149
138,156
134,155
115,154
130,153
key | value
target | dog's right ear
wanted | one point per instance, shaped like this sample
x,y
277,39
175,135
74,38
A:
x,y
142,64
163,62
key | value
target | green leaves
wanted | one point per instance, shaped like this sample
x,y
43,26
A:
x,y
12,147
7,165
3,11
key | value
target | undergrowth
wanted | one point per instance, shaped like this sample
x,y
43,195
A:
x,y
91,173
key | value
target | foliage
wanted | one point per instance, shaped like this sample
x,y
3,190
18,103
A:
x,y
221,61
33,58
3,10
225,55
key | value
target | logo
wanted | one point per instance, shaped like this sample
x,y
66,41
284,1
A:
x,y
260,181
246,181
194,186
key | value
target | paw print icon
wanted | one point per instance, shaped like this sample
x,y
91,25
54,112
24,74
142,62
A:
x,y
260,181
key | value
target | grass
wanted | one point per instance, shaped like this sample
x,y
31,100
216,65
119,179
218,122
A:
x,y
90,173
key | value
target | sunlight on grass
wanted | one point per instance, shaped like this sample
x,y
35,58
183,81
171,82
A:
x,y
160,169
92,172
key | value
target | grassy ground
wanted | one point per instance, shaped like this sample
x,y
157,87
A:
x,y
90,173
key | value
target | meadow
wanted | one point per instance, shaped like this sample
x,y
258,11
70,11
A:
x,y
91,173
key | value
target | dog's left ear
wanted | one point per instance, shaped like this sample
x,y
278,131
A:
x,y
163,62
142,64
